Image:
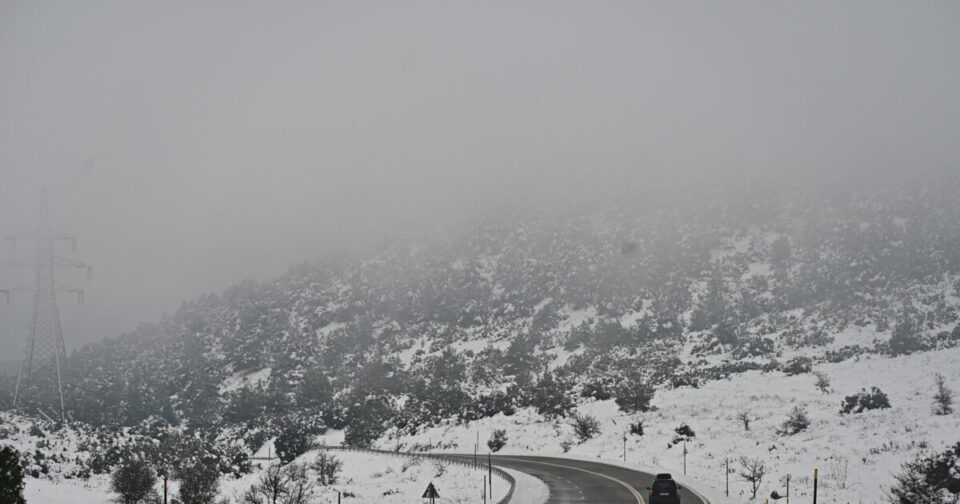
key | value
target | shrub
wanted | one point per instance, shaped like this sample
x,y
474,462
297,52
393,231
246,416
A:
x,y
636,428
597,390
585,427
864,400
744,417
798,365
498,440
797,421
930,480
685,431
823,382
11,476
328,468
133,481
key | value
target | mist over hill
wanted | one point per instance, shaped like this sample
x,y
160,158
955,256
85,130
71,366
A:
x,y
473,320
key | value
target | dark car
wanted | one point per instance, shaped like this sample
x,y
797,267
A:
x,y
664,490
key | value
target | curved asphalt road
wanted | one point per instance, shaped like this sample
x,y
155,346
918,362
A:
x,y
575,481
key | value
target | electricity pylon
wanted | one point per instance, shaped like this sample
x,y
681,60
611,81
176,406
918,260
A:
x,y
40,380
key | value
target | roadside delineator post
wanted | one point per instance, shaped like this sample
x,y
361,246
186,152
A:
x,y
816,477
490,473
788,488
684,458
727,474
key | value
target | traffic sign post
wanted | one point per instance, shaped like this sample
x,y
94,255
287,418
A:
x,y
431,493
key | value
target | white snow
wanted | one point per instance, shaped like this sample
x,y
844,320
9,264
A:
x,y
873,444
376,478
240,380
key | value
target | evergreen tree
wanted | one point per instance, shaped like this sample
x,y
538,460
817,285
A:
x,y
200,483
11,476
550,396
906,335
634,394
929,480
134,481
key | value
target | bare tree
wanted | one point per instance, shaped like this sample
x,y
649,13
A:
x,y
752,471
328,467
281,485
943,399
744,416
839,470
823,382
440,466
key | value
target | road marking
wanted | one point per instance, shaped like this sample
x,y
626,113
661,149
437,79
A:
x,y
611,478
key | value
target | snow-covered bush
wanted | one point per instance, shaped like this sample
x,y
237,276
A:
x,y
798,365
930,480
685,432
864,401
585,426
498,440
797,421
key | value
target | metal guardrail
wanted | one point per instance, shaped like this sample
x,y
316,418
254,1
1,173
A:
x,y
446,458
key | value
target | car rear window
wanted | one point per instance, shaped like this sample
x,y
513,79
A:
x,y
664,486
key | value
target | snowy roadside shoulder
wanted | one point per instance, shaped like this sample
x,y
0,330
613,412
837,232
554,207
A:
x,y
375,478
528,489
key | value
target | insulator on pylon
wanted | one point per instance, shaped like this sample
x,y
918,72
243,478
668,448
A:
x,y
89,272
80,296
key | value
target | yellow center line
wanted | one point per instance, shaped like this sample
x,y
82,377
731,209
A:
x,y
611,478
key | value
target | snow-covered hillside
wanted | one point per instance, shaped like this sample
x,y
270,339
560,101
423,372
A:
x,y
367,478
857,454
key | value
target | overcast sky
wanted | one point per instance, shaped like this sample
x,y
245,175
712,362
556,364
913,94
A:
x,y
192,144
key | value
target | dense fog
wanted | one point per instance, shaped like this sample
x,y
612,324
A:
x,y
192,145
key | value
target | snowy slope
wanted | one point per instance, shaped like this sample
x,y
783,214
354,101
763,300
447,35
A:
x,y
871,446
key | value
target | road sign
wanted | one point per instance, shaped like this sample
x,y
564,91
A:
x,y
431,493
